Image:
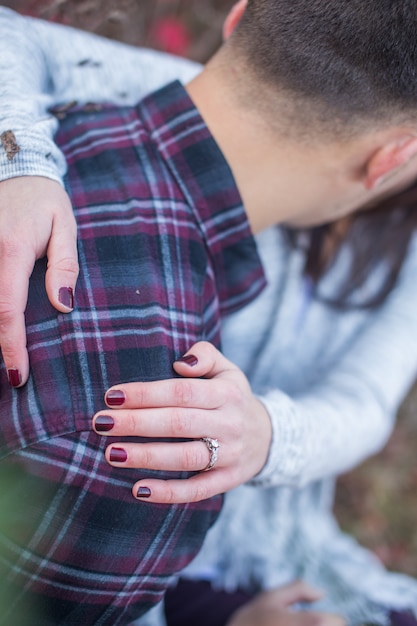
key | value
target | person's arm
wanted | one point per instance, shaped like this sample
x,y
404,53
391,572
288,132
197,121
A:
x,y
43,65
27,148
326,430
350,414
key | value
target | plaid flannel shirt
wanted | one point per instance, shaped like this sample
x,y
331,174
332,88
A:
x,y
165,249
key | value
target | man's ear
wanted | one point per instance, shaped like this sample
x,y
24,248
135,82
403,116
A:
x,y
388,158
233,18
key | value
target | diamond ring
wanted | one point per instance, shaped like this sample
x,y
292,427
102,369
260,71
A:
x,y
213,448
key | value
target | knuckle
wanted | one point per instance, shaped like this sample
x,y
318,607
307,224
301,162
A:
x,y
181,423
7,326
207,349
236,433
193,457
64,219
170,495
233,393
200,492
182,392
10,247
147,457
7,313
130,423
68,265
140,395
9,354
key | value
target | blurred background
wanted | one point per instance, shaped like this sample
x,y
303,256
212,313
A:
x,y
377,502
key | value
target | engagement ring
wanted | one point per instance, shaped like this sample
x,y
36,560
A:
x,y
213,448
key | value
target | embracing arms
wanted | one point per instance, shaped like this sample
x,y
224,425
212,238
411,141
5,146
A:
x,y
327,429
44,65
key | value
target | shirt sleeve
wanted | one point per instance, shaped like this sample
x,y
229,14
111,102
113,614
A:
x,y
349,416
46,64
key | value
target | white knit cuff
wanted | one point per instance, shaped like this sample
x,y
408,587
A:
x,y
285,459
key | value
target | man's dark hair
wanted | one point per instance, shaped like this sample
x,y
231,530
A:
x,y
376,240
350,59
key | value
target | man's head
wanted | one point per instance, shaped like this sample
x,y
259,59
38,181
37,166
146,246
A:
x,y
314,104
344,64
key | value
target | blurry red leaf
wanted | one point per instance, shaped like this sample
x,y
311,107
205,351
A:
x,y
170,35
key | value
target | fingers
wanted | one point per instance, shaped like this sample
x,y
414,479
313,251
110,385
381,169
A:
x,y
165,422
174,392
203,359
188,457
16,265
62,272
285,596
220,407
261,614
179,491
13,296
272,608
192,456
35,217
317,619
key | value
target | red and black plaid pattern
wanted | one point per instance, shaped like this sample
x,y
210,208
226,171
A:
x,y
165,249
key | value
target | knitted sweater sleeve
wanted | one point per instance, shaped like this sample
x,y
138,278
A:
x,y
45,64
349,415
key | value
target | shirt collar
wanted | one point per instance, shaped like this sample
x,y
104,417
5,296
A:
x,y
208,185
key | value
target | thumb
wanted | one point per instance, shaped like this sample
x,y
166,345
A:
x,y
62,272
203,360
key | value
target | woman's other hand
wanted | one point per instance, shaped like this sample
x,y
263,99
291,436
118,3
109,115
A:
x,y
36,218
219,406
273,608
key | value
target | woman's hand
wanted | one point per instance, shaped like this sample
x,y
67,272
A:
x,y
272,608
36,217
221,406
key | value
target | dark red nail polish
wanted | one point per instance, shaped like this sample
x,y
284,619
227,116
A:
x,y
189,359
103,423
115,397
143,492
66,297
14,376
118,455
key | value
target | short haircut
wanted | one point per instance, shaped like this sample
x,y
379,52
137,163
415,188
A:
x,y
344,62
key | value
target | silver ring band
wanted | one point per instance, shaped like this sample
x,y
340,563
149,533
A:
x,y
213,448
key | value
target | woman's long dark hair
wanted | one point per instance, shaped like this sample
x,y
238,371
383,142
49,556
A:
x,y
378,239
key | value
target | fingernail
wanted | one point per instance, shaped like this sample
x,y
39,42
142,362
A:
x,y
66,297
143,492
115,397
14,376
103,423
118,455
189,359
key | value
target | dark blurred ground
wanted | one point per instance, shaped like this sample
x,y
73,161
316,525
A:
x,y
377,502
